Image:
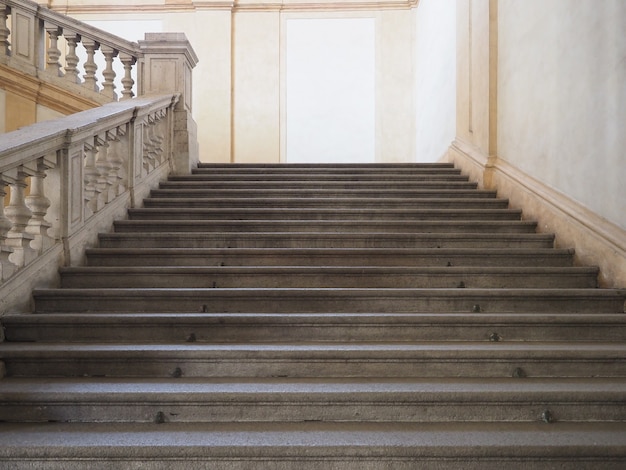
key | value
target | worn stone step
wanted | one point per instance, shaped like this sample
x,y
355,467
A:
x,y
285,214
399,359
337,203
321,327
265,167
321,300
334,226
324,240
313,171
304,193
321,184
390,180
310,276
519,257
314,446
282,400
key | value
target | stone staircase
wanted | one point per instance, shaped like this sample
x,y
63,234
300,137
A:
x,y
319,317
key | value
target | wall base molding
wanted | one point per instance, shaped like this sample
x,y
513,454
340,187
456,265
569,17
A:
x,y
596,240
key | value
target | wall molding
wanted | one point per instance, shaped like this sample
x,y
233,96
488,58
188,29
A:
x,y
596,240
235,5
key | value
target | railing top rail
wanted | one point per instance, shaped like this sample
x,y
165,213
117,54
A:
x,y
30,142
85,30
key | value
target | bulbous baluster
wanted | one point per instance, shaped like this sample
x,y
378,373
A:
x,y
19,214
91,82
71,59
108,73
90,176
38,204
127,82
53,53
5,45
6,267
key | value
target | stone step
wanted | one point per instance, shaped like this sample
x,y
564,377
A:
x,y
323,276
321,327
314,446
303,193
267,167
310,177
324,240
508,257
335,203
313,171
322,300
283,400
285,214
312,184
313,360
332,226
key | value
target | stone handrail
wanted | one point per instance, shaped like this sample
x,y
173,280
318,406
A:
x,y
70,178
29,41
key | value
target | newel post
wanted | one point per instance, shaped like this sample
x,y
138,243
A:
x,y
166,67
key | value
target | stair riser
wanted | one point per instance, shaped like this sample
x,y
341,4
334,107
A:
x,y
374,215
360,458
223,301
326,203
121,279
134,226
264,408
303,193
322,240
313,185
232,258
427,365
216,332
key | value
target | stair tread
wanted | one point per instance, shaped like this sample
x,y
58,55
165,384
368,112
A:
x,y
317,318
352,270
67,389
340,349
152,441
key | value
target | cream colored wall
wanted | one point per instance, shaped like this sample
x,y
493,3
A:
x,y
540,118
562,98
256,69
239,83
435,86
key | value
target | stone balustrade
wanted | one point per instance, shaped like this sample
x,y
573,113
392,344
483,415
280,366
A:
x,y
30,41
67,178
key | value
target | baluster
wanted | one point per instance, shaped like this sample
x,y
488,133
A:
x,y
38,204
149,153
127,82
108,73
90,174
159,136
5,45
53,52
19,214
104,167
6,267
71,59
115,162
91,82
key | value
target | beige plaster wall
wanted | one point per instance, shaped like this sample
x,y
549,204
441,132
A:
x,y
256,85
562,98
239,83
435,86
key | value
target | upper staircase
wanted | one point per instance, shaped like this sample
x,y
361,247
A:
x,y
319,317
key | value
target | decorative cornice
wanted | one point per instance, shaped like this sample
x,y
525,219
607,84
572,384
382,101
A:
x,y
235,5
